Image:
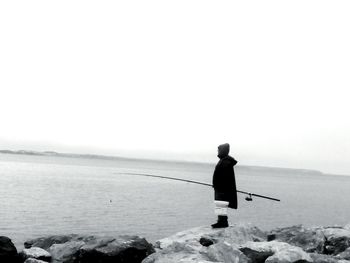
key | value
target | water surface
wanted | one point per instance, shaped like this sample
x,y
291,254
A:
x,y
43,195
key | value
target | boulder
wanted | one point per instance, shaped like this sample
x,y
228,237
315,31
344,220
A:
x,y
330,240
8,251
205,244
337,240
47,242
321,258
226,252
239,243
235,234
345,254
309,239
88,249
274,252
131,249
204,241
177,252
67,252
33,260
291,255
256,252
36,253
186,253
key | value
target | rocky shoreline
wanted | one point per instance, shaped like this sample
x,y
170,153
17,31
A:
x,y
239,243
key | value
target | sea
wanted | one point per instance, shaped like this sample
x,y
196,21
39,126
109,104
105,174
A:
x,y
51,195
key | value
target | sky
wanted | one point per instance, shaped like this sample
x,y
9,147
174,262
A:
x,y
174,79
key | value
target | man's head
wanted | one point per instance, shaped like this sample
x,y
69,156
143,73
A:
x,y
223,150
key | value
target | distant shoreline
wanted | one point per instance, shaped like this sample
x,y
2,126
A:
x,y
93,156
116,158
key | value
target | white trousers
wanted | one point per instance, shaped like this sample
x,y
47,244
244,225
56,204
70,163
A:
x,y
221,208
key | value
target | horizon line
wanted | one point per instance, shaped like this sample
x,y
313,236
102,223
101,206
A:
x,y
50,153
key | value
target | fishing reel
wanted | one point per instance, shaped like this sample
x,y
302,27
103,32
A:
x,y
249,197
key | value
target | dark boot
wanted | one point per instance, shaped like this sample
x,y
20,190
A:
x,y
222,222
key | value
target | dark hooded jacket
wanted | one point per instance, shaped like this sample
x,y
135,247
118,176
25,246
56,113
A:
x,y
224,181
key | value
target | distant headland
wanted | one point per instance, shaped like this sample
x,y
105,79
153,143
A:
x,y
250,168
70,155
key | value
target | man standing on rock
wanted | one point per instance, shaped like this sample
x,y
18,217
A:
x,y
224,184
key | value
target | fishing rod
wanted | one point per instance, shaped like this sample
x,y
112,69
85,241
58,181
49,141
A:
x,y
248,198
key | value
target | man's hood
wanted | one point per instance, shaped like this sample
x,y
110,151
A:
x,y
223,150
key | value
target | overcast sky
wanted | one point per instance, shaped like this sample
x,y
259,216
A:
x,y
173,79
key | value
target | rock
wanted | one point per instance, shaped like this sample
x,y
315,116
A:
x,y
331,240
33,260
206,241
177,252
292,255
309,239
66,252
337,240
256,253
47,242
88,249
235,234
180,252
131,249
226,252
239,243
271,237
8,251
345,254
36,253
205,244
274,252
320,258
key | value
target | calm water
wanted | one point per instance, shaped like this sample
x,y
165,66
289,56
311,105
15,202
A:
x,y
54,195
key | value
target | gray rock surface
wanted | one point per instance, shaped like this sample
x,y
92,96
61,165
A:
x,y
274,252
8,251
89,249
177,252
131,249
236,234
321,258
66,252
337,240
47,242
239,243
226,252
256,252
247,244
345,254
329,240
33,260
187,246
309,239
36,253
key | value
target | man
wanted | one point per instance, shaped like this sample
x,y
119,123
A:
x,y
224,184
